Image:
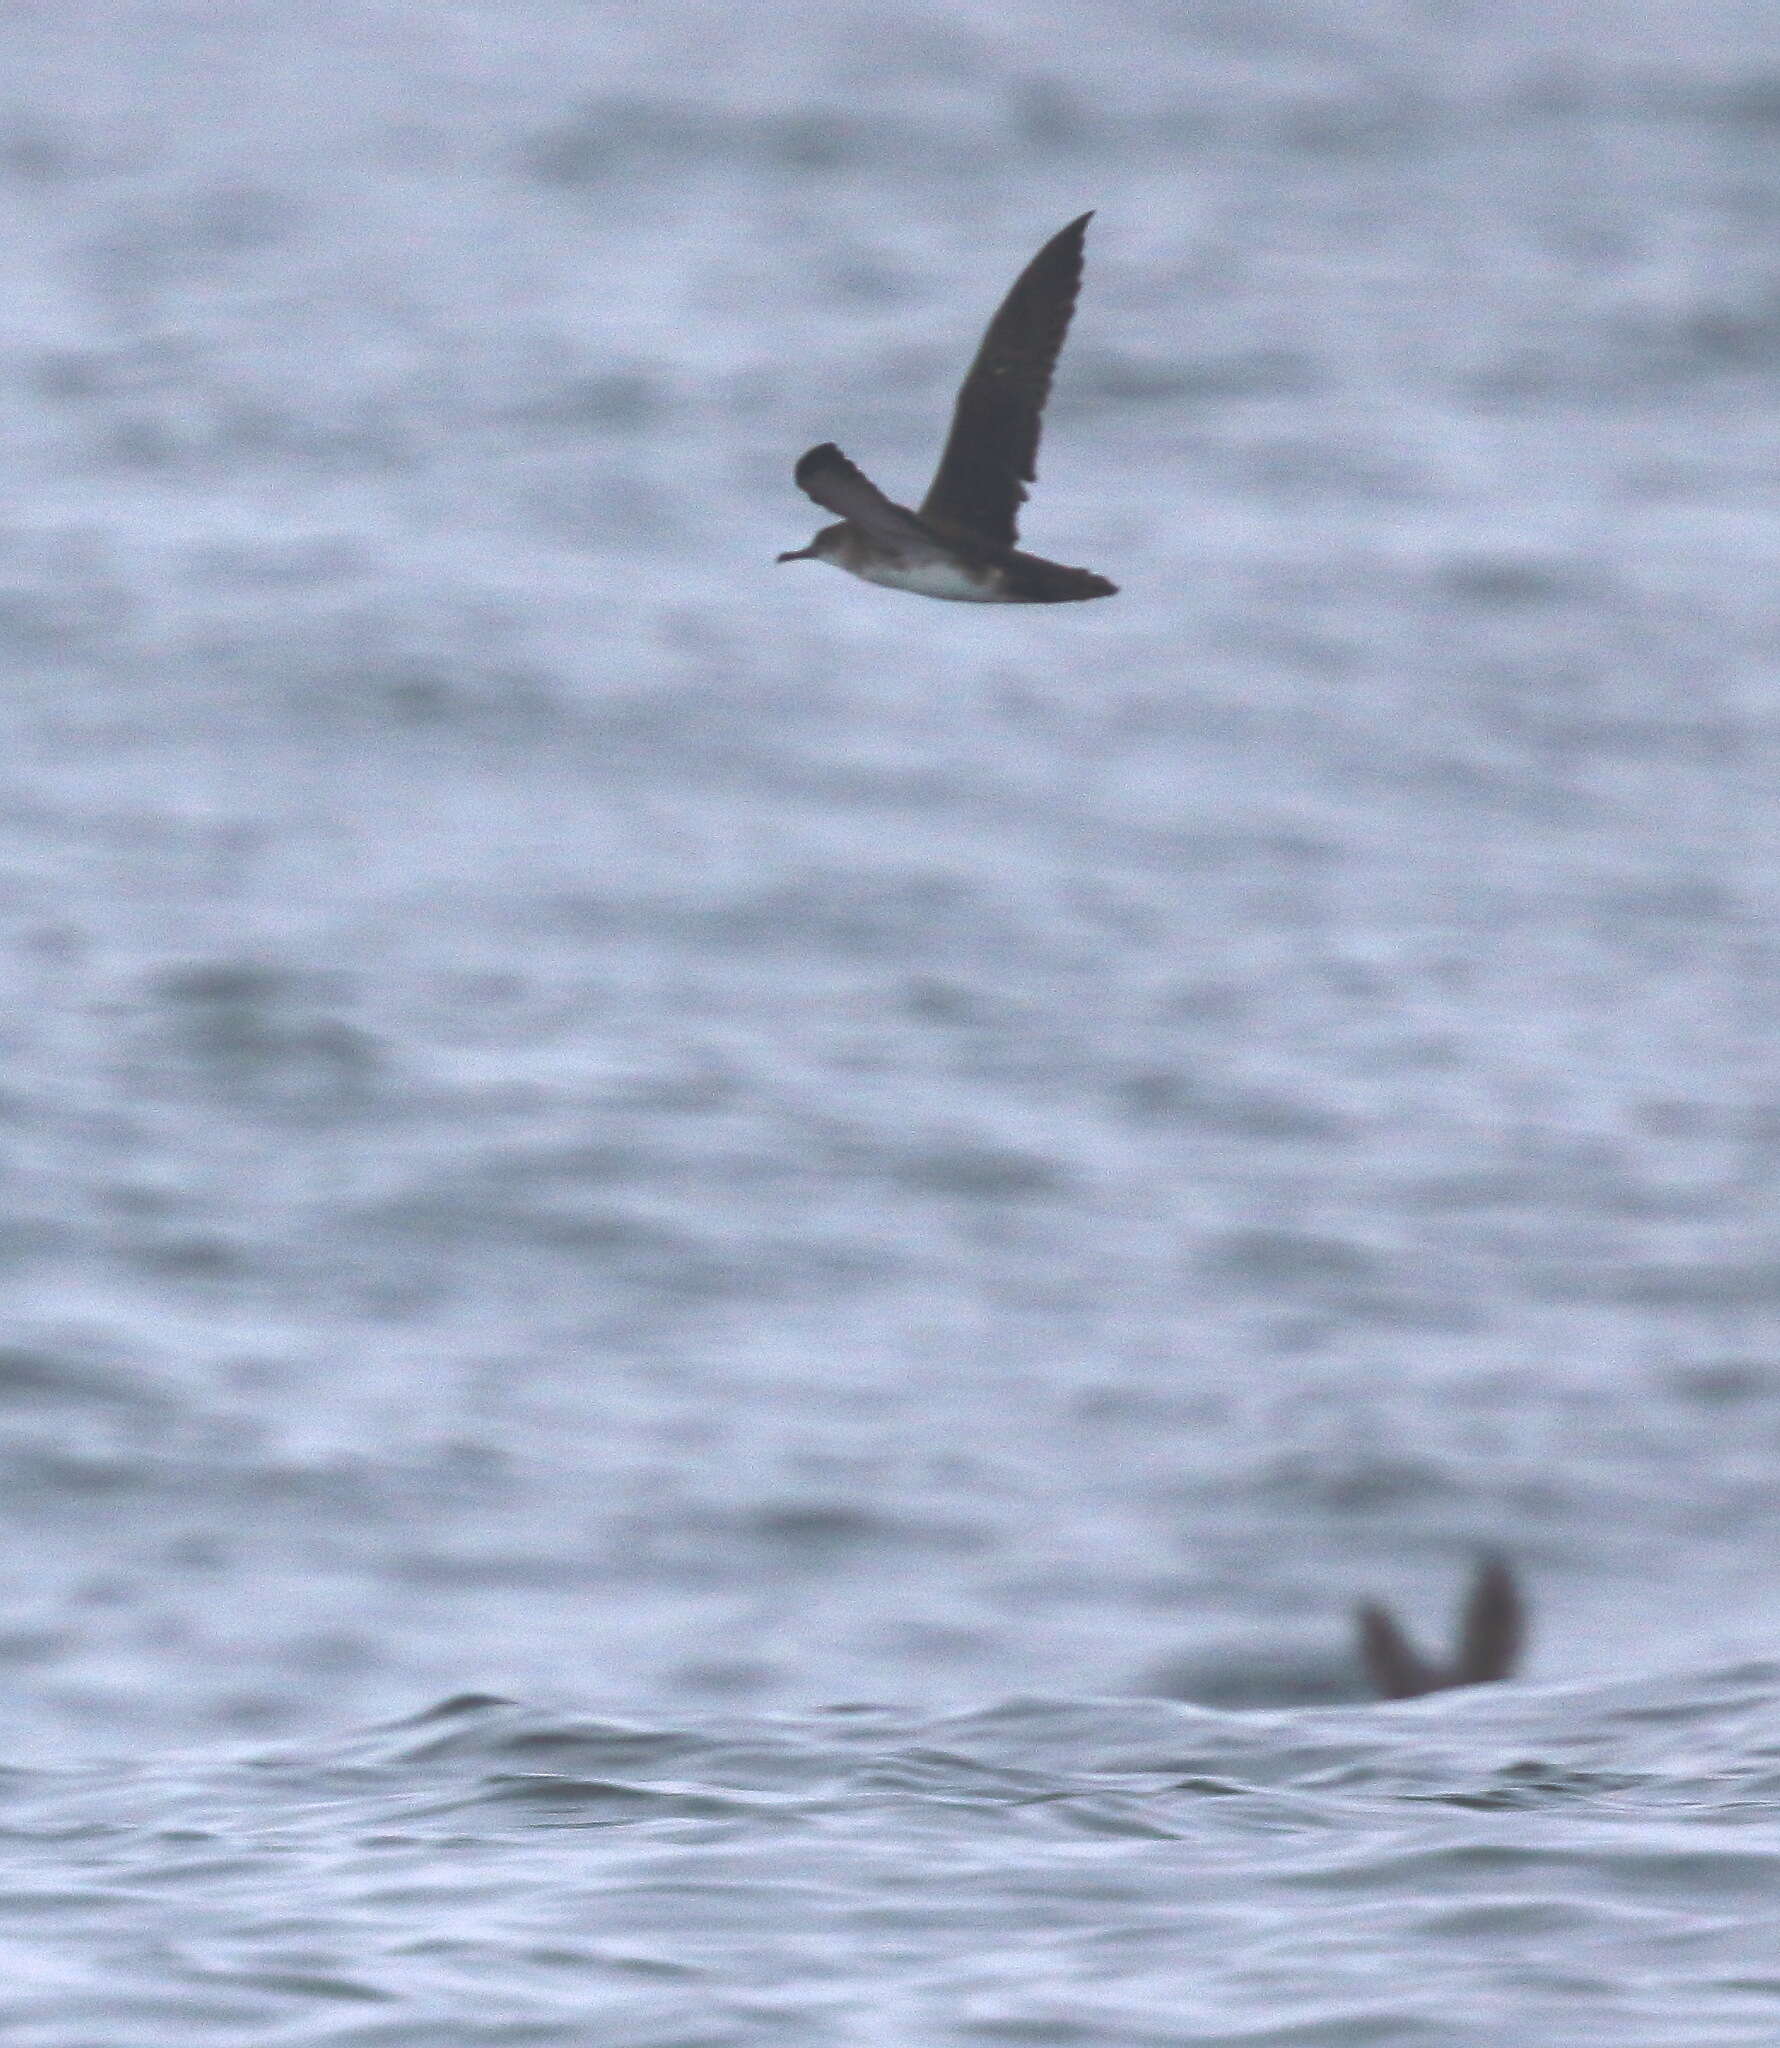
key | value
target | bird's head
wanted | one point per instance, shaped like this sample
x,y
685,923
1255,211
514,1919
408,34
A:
x,y
823,548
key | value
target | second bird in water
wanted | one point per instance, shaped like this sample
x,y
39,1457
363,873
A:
x,y
1492,1629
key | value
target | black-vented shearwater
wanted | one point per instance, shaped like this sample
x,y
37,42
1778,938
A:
x,y
1492,1628
960,544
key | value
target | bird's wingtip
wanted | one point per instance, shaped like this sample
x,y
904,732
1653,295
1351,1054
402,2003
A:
x,y
820,457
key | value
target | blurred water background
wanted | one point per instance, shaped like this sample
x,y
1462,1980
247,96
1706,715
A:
x,y
842,1200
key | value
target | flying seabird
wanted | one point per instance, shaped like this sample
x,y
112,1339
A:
x,y
1492,1627
960,544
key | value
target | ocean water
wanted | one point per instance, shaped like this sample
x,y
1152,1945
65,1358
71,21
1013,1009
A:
x,y
713,1284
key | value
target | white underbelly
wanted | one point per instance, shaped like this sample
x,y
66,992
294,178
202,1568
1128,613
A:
x,y
933,577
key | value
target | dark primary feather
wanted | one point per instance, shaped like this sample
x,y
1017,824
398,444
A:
x,y
992,451
837,485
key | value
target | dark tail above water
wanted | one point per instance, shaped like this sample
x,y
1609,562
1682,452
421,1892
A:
x,y
1492,1631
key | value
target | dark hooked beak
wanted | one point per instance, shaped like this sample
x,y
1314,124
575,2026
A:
x,y
799,555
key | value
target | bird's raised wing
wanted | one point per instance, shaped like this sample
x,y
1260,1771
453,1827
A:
x,y
826,475
1492,1625
992,451
1397,1669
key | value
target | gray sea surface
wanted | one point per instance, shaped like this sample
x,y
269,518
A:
x,y
714,1284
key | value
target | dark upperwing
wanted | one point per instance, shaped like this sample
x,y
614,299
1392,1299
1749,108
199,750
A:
x,y
826,475
991,453
1493,1626
1397,1669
